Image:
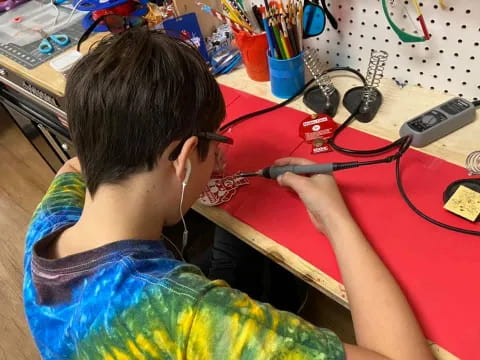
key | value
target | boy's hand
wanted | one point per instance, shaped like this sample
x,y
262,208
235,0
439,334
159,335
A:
x,y
319,193
72,165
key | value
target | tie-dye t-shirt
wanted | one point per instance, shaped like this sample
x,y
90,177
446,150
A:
x,y
132,299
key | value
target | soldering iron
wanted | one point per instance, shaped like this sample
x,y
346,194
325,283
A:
x,y
272,172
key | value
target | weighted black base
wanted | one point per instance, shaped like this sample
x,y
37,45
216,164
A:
x,y
316,101
352,100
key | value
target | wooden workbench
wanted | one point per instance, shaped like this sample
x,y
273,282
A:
x,y
399,104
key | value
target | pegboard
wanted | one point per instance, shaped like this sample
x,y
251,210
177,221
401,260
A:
x,y
449,62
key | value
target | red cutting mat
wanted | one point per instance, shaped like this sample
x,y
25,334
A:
x,y
438,269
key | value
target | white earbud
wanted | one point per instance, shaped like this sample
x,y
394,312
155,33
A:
x,y
188,171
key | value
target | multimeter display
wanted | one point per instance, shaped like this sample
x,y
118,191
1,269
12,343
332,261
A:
x,y
438,121
427,120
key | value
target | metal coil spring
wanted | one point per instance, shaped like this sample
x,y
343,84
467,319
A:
x,y
322,79
376,67
473,163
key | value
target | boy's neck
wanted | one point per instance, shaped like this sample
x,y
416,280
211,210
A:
x,y
135,209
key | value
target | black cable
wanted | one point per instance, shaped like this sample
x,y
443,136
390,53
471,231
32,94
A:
x,y
420,213
402,144
245,117
378,151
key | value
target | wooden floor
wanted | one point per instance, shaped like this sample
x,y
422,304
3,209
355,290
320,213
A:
x,y
23,180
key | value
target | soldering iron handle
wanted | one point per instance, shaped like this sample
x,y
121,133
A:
x,y
275,171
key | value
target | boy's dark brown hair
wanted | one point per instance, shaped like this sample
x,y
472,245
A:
x,y
134,94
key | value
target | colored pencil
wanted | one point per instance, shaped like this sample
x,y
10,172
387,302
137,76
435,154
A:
x,y
287,46
274,52
292,38
239,12
276,32
223,18
300,27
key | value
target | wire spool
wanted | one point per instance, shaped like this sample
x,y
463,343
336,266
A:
x,y
473,163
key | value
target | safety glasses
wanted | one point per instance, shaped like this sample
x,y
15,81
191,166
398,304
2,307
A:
x,y
210,136
398,9
115,24
315,17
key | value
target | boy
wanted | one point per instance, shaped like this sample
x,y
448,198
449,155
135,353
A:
x,y
100,282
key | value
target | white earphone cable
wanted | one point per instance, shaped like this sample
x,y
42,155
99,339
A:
x,y
185,231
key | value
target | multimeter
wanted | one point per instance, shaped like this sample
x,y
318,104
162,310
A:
x,y
439,121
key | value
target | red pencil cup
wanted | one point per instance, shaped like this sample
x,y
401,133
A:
x,y
254,54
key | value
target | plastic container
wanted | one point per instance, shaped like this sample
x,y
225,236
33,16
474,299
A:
x,y
287,77
64,62
254,54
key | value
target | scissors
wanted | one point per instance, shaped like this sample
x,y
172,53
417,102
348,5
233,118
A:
x,y
46,46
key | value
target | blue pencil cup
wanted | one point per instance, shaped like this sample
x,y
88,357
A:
x,y
287,77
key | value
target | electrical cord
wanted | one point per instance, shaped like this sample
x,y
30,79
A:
x,y
402,144
245,117
422,214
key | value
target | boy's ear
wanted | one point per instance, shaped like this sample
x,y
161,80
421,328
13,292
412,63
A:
x,y
188,149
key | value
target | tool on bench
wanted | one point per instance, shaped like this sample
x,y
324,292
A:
x,y
272,172
365,100
439,121
46,46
